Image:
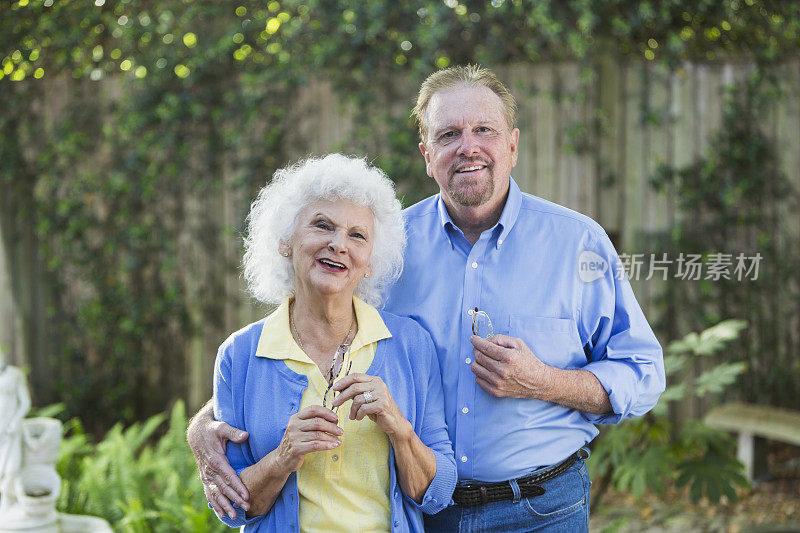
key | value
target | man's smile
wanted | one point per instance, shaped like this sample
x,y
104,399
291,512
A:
x,y
470,168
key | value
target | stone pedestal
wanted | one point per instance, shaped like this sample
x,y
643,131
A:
x,y
29,483
64,523
33,494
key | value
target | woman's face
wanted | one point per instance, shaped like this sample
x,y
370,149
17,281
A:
x,y
331,247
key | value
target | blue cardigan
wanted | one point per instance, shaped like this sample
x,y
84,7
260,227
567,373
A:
x,y
259,395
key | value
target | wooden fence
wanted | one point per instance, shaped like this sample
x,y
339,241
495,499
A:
x,y
602,170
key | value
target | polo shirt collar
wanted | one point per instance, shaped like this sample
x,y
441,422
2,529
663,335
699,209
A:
x,y
276,341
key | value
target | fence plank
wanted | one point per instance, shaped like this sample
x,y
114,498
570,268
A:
x,y
546,146
609,135
570,176
522,83
635,167
10,323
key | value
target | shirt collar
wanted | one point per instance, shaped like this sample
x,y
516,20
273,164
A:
x,y
507,218
276,341
447,223
510,212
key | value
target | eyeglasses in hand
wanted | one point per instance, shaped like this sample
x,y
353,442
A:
x,y
341,361
481,324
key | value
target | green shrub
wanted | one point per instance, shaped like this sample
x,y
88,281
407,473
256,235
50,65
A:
x,y
137,483
653,451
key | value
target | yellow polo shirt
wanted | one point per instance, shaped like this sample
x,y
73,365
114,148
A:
x,y
347,488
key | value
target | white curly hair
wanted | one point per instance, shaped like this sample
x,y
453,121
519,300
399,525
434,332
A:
x,y
273,218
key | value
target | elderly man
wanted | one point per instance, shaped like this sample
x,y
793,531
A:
x,y
535,349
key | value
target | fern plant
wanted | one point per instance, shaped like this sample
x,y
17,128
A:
x,y
137,483
653,451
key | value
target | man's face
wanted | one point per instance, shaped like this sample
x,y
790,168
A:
x,y
469,149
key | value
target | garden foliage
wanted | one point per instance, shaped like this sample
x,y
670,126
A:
x,y
654,451
736,199
141,478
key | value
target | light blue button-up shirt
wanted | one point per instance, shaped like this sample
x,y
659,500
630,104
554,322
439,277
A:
x,y
545,274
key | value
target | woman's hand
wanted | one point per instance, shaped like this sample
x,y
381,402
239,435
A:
x,y
416,464
312,429
371,397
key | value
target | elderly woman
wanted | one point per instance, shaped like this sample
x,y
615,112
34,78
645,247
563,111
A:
x,y
342,402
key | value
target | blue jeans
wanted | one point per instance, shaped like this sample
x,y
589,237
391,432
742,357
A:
x,y
564,507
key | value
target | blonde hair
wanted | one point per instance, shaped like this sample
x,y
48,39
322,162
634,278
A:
x,y
470,76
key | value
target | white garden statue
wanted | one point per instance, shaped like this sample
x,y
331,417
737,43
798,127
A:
x,y
29,483
14,404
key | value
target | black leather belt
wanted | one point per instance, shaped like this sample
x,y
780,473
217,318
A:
x,y
480,494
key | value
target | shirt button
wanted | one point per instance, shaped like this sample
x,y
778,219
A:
x,y
335,457
465,409
474,264
468,360
463,458
471,312
499,242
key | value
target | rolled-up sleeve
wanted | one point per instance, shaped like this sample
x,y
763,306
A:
x,y
432,432
621,348
225,411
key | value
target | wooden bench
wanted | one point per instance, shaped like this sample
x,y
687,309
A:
x,y
754,423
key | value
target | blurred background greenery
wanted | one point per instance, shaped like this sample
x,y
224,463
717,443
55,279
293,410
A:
x,y
134,134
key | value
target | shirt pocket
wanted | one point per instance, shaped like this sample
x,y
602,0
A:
x,y
554,341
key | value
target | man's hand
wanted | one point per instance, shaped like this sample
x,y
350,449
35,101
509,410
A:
x,y
207,438
505,367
